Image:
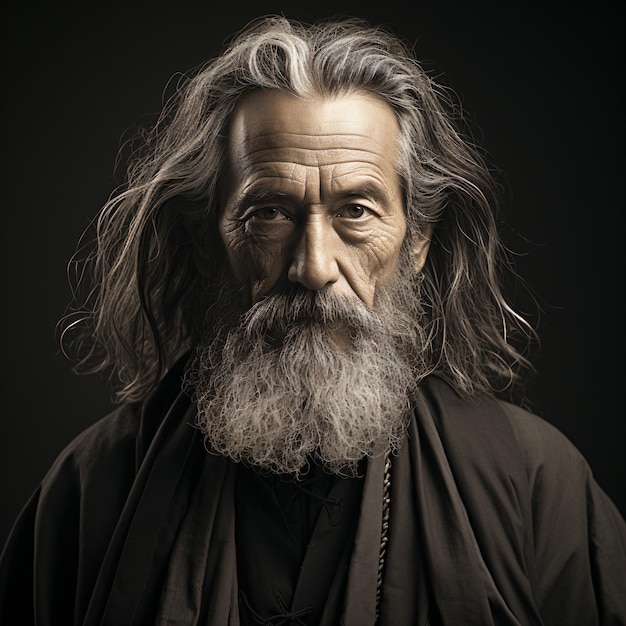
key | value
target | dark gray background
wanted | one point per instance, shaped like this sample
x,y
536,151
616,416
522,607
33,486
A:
x,y
544,84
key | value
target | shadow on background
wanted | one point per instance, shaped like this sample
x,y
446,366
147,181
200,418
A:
x,y
544,85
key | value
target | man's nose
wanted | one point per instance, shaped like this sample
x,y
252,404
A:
x,y
314,263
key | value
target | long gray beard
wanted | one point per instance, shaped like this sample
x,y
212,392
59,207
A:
x,y
308,376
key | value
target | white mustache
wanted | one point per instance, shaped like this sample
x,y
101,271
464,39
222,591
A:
x,y
279,313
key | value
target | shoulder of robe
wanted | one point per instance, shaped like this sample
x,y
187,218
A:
x,y
579,534
545,449
538,444
576,535
560,477
502,439
84,491
108,441
493,440
117,443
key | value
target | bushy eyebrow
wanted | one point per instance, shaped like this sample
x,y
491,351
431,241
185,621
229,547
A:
x,y
256,196
365,190
261,195
375,193
264,194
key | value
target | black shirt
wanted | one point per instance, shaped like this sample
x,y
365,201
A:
x,y
294,540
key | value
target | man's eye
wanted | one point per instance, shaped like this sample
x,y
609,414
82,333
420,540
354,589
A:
x,y
352,211
269,213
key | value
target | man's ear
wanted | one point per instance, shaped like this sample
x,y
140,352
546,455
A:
x,y
421,246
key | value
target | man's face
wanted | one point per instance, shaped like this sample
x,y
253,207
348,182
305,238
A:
x,y
317,361
311,195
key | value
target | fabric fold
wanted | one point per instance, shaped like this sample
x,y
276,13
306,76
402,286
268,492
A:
x,y
201,585
360,600
457,573
127,583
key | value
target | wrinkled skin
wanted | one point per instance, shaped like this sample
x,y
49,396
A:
x,y
311,195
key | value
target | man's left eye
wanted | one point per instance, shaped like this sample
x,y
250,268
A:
x,y
352,211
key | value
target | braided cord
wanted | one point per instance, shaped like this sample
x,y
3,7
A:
x,y
384,530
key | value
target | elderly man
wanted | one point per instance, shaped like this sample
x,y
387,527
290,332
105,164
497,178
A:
x,y
297,292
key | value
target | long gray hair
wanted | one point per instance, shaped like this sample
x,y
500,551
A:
x,y
139,308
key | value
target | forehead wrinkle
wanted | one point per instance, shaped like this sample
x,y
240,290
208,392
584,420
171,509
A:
x,y
255,173
288,153
338,168
267,187
344,181
255,144
365,186
303,181
279,136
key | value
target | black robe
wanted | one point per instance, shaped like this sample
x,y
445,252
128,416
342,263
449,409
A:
x,y
494,519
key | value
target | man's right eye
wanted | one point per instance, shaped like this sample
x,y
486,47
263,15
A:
x,y
269,213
